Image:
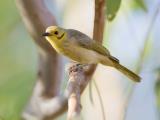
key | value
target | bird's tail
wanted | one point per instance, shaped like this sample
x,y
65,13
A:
x,y
127,72
114,62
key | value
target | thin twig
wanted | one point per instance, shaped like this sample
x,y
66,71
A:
x,y
90,93
101,101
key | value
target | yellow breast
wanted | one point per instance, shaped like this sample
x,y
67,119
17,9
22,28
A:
x,y
75,52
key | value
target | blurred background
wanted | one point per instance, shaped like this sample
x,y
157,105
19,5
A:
x,y
133,37
18,62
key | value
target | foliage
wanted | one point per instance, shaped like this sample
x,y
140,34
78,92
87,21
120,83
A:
x,y
112,8
140,4
17,66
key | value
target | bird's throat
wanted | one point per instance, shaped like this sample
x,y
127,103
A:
x,y
56,46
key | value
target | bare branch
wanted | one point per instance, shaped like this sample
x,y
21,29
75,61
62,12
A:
x,y
76,79
99,20
36,17
34,14
80,76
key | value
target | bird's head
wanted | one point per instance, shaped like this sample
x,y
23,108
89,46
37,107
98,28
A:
x,y
55,34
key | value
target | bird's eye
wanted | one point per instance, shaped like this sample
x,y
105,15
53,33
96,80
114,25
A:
x,y
56,32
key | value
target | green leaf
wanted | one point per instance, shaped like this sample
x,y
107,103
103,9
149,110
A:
x,y
112,8
140,4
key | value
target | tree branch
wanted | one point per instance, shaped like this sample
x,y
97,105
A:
x,y
78,76
45,104
99,20
34,14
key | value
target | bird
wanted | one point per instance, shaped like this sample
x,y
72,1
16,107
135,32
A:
x,y
79,47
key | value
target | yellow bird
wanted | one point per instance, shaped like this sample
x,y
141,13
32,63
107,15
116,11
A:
x,y
81,48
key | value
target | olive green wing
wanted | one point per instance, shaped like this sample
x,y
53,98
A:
x,y
96,46
86,42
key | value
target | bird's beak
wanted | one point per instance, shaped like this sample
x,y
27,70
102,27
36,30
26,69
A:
x,y
46,34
